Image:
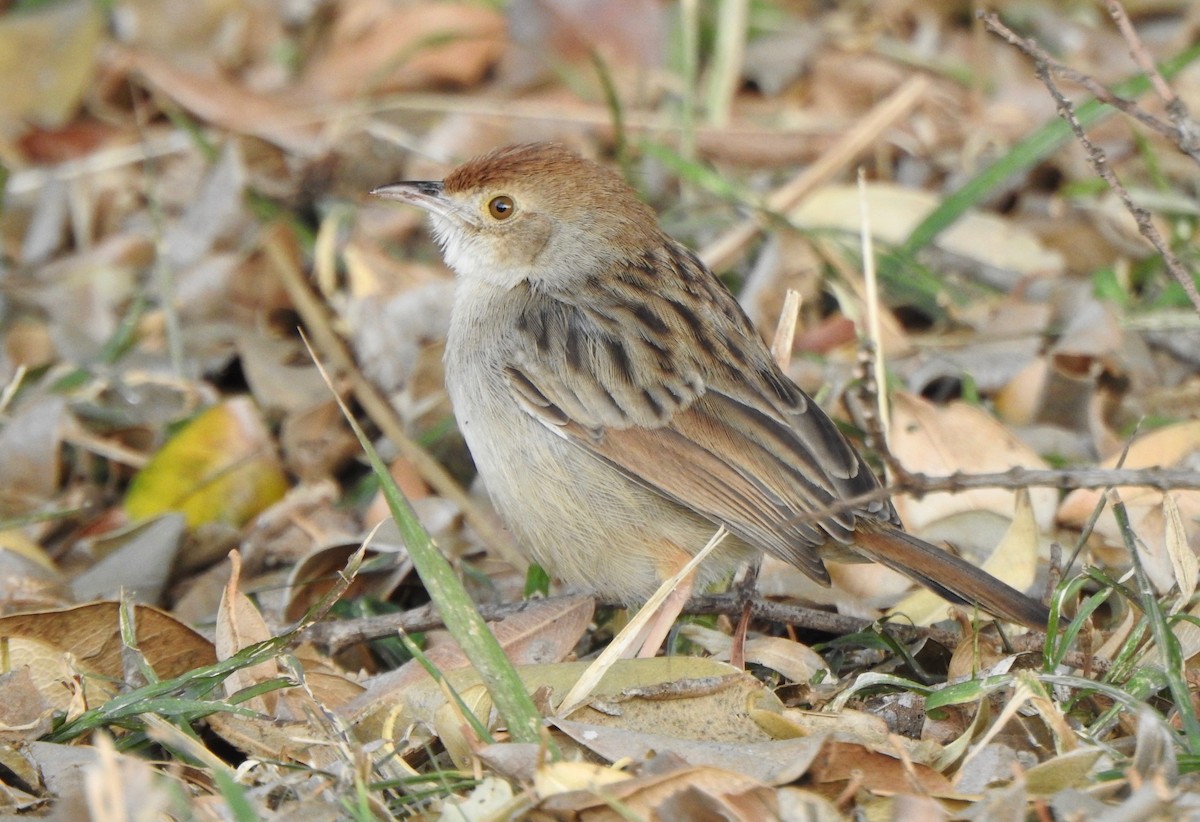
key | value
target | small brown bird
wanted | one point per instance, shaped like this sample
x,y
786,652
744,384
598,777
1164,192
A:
x,y
619,404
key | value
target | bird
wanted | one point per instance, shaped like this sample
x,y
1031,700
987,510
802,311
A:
x,y
620,406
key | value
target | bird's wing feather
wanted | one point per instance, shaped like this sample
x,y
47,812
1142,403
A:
x,y
739,443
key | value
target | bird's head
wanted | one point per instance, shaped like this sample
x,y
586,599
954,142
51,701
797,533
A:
x,y
535,212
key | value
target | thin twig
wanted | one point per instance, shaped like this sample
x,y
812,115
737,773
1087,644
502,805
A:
x,y
1098,90
918,485
338,636
1138,51
1043,67
1099,163
1188,134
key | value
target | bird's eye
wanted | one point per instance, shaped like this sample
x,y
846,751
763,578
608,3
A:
x,y
502,207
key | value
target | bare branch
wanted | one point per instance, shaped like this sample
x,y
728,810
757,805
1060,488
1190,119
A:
x,y
1036,53
337,636
918,485
1043,66
1187,134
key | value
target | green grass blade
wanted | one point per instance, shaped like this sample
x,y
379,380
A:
x,y
452,601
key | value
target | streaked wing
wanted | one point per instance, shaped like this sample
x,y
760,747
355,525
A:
x,y
736,442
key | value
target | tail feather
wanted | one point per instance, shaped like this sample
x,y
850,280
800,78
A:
x,y
948,576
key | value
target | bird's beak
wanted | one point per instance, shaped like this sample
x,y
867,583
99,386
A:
x,y
426,194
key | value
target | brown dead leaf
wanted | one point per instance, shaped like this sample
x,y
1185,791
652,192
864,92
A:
x,y
136,559
692,793
998,244
794,660
628,35
29,454
376,48
545,632
24,712
240,625
280,374
47,60
317,443
1014,560
29,584
940,440
385,566
199,33
90,634
773,761
28,343
277,119
306,518
877,772
1149,515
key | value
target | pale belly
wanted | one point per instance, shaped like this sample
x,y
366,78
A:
x,y
579,517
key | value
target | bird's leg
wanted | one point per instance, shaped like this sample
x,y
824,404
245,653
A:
x,y
743,590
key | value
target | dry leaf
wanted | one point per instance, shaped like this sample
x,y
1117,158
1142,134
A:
x,y
47,60
995,242
379,48
1014,561
773,761
1151,520
29,445
240,625
90,634
693,793
220,467
544,632
136,560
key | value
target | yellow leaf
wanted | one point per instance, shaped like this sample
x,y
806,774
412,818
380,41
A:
x,y
220,467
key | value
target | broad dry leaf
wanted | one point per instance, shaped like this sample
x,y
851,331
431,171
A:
x,y
47,60
213,99
376,48
682,697
939,440
240,625
84,293
91,635
216,210
29,447
998,243
20,768
383,569
691,793
1074,769
24,712
1172,445
220,467
492,798
137,560
794,660
28,585
280,374
545,632
773,761
877,772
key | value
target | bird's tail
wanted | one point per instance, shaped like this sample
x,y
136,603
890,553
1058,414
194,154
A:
x,y
948,576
